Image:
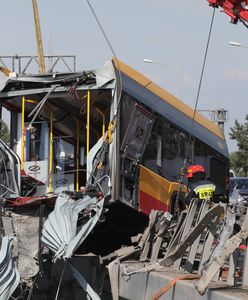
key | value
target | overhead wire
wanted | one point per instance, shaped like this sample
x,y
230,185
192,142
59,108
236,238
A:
x,y
101,27
117,91
118,74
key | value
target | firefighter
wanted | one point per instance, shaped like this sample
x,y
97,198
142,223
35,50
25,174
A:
x,y
199,186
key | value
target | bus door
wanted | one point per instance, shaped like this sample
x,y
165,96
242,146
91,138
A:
x,y
132,149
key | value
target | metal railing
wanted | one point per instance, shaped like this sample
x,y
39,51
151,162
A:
x,y
23,63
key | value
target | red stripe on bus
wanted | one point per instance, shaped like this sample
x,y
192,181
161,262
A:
x,y
148,203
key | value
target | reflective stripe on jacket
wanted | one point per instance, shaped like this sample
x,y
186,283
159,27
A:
x,y
205,191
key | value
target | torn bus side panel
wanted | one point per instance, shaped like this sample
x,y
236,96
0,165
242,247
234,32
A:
x,y
132,149
70,223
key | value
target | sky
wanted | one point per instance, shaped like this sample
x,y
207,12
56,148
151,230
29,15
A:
x,y
171,33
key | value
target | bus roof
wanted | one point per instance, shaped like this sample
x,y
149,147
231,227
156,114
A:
x,y
176,111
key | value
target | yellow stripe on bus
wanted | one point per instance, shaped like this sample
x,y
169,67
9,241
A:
x,y
156,186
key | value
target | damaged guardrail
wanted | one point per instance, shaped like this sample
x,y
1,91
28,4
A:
x,y
202,242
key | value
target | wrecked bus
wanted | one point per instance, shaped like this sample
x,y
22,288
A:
x,y
69,131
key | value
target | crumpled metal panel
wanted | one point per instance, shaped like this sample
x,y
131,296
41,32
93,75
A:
x,y
103,76
9,275
60,232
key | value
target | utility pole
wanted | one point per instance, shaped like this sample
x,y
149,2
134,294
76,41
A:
x,y
41,60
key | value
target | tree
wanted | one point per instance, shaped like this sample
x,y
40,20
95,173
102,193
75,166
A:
x,y
239,161
4,132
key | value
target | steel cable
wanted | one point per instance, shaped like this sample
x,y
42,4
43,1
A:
x,y
199,86
183,170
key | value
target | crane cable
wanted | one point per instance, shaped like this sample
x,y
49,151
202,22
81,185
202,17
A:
x,y
183,170
166,288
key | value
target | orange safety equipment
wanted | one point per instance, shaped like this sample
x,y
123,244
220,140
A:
x,y
194,169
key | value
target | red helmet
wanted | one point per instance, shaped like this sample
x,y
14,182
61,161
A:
x,y
194,169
